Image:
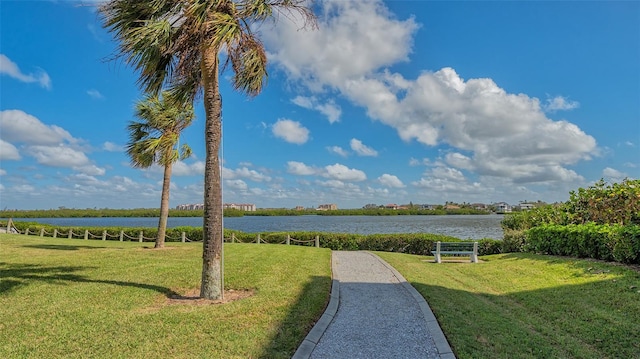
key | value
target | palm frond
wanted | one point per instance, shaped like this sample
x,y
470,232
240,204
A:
x,y
249,61
154,138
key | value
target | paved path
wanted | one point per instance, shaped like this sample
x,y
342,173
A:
x,y
373,313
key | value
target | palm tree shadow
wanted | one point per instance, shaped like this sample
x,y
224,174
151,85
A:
x,y
13,276
60,247
300,319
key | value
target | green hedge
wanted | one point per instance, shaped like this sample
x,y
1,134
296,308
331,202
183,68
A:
x,y
412,243
606,242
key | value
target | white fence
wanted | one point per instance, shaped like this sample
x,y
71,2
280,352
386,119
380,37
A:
x,y
104,235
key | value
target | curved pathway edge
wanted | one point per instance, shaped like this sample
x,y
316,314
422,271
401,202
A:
x,y
309,343
311,340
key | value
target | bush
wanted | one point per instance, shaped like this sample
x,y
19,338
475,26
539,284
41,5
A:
x,y
514,241
489,246
605,242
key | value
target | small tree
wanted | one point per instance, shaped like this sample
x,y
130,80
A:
x,y
155,140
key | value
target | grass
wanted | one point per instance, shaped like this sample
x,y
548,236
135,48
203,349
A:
x,y
62,298
530,306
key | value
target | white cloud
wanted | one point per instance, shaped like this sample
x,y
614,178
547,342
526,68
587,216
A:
x,y
11,69
301,169
448,182
613,176
507,135
413,162
19,126
244,172
95,94
332,184
8,151
49,145
361,149
344,173
338,150
354,38
306,102
329,109
290,131
237,184
181,168
23,188
390,181
560,103
112,147
91,170
58,156
2,172
491,131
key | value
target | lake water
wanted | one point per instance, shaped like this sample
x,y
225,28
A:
x,y
460,226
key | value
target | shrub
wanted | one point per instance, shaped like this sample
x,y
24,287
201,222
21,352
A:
x,y
514,241
487,246
605,242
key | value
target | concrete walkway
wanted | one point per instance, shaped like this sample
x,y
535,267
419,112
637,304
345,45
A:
x,y
373,313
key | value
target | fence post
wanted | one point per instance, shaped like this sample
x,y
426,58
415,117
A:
x,y
121,235
26,231
233,238
140,238
258,239
104,235
86,234
288,239
55,233
317,241
41,232
183,237
70,233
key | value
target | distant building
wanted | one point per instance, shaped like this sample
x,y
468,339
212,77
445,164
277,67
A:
x,y
200,206
526,206
480,206
502,207
370,206
247,207
190,206
327,207
299,208
430,207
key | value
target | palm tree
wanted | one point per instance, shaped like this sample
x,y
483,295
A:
x,y
154,140
177,44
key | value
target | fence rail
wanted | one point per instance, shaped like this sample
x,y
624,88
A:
x,y
122,235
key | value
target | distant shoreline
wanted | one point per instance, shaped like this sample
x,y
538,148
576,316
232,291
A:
x,y
155,212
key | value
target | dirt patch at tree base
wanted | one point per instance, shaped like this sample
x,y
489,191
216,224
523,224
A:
x,y
192,297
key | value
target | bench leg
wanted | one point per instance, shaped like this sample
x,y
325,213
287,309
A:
x,y
474,256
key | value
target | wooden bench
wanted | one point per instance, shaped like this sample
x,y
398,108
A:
x,y
466,248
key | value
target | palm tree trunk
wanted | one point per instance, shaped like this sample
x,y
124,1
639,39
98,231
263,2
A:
x,y
212,286
164,206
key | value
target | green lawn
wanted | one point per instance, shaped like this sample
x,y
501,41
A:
x,y
530,306
70,298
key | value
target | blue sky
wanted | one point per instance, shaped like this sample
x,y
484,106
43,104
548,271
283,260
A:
x,y
387,102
